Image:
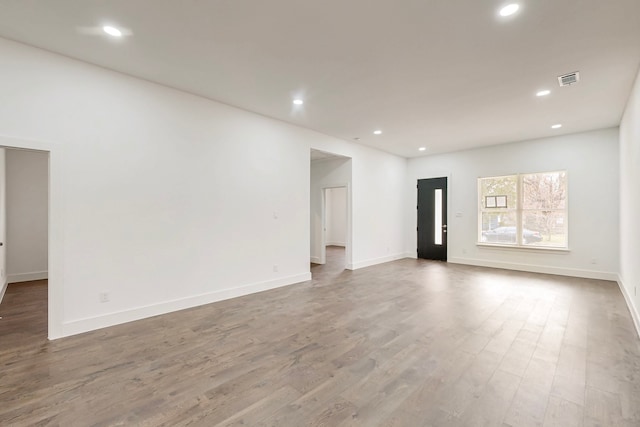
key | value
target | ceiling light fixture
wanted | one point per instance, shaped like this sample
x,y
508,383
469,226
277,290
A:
x,y
422,149
509,9
558,126
298,101
112,31
543,93
377,132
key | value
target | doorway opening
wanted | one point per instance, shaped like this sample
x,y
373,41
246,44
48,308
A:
x,y
25,291
432,219
334,231
330,222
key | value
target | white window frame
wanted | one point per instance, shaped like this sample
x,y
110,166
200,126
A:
x,y
519,211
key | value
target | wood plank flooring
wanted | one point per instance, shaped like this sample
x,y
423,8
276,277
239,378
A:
x,y
408,343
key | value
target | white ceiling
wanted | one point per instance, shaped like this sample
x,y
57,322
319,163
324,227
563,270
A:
x,y
445,74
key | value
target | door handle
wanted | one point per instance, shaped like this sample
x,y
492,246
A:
x,y
444,226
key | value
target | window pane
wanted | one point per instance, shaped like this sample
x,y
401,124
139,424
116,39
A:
x,y
499,227
544,190
532,206
494,191
544,228
438,217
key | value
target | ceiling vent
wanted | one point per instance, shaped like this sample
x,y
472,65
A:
x,y
569,79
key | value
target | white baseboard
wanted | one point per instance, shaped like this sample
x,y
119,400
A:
x,y
92,323
374,261
635,316
4,289
572,272
315,259
27,277
413,255
343,244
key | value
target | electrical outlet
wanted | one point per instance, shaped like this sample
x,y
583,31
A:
x,y
275,268
594,261
104,296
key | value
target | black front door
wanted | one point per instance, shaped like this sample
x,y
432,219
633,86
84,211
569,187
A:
x,y
432,218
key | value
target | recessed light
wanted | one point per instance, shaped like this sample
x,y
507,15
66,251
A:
x,y
543,93
298,101
112,31
422,148
356,138
558,126
509,9
377,132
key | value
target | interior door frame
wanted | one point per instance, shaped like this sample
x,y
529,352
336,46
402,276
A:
x,y
323,237
55,228
4,276
448,218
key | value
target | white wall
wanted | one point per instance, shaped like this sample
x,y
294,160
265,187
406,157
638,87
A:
x,y
336,216
3,216
27,175
591,160
168,197
327,173
630,203
165,200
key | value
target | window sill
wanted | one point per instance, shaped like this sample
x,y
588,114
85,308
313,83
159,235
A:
x,y
523,248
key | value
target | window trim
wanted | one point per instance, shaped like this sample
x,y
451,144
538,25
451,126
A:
x,y
519,211
523,247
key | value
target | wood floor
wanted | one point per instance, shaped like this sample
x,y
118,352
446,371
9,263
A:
x,y
408,343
